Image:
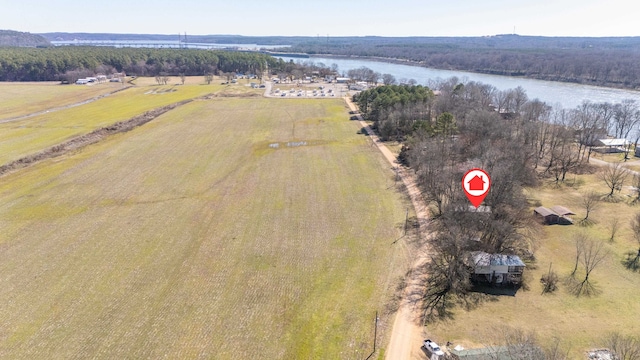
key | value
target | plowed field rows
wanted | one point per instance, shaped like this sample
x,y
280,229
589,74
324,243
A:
x,y
29,135
19,98
195,236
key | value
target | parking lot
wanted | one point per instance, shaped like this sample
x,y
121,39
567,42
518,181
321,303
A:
x,y
306,90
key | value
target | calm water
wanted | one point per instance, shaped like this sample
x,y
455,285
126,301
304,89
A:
x,y
565,94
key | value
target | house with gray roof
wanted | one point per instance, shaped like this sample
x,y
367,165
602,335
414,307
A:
x,y
497,269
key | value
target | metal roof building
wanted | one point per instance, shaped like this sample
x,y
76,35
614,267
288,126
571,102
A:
x,y
481,258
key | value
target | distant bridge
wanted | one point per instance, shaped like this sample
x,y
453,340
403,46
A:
x,y
163,44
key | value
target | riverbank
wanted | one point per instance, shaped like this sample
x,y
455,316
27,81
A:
x,y
568,95
512,74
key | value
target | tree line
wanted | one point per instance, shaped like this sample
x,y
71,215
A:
x,y
58,63
518,141
616,66
397,110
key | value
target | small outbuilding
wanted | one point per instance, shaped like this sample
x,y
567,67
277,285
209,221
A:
x,y
608,146
547,216
561,210
555,215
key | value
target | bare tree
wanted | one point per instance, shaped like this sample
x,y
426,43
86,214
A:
x,y
614,175
297,74
625,116
588,124
164,78
388,79
624,347
436,177
636,188
633,258
549,281
449,273
229,76
579,240
593,254
182,78
208,78
590,201
614,227
605,114
513,343
516,344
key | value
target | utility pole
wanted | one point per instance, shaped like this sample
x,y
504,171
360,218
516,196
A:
x,y
406,221
375,332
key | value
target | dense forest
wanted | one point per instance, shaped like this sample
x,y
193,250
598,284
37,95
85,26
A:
x,y
65,63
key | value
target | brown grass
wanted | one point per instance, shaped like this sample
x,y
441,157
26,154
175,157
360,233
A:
x,y
580,323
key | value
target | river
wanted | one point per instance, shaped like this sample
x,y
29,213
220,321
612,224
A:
x,y
567,95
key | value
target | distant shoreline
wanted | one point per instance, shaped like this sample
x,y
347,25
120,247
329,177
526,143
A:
x,y
421,64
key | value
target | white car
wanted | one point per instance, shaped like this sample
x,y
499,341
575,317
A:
x,y
433,347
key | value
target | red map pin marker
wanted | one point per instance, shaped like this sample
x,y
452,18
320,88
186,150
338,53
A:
x,y
476,184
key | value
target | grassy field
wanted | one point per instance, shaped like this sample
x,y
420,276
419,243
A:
x,y
581,323
19,99
228,228
33,134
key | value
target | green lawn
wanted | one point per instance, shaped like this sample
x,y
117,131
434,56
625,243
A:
x,y
196,236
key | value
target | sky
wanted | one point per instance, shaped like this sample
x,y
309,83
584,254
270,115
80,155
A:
x,y
325,17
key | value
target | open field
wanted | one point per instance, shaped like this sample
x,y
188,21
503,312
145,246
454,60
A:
x,y
33,134
19,99
580,323
229,228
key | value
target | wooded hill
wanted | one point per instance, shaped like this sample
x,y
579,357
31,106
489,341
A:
x,y
16,38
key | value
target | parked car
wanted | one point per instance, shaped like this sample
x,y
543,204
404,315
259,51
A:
x,y
432,347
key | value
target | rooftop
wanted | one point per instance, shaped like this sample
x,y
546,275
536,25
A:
x,y
614,142
481,258
544,211
561,210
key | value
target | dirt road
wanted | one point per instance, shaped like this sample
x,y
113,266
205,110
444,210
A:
x,y
406,334
599,162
